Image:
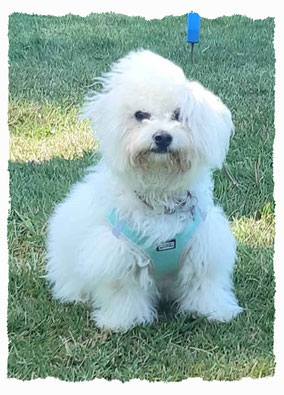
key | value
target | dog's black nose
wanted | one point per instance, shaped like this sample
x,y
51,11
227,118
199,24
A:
x,y
162,140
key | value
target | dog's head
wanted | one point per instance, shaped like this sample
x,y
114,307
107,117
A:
x,y
149,118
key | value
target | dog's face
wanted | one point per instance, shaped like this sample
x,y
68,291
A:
x,y
151,136
150,118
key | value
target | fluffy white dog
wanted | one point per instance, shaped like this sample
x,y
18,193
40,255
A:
x,y
142,225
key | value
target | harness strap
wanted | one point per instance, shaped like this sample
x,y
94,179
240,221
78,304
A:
x,y
164,257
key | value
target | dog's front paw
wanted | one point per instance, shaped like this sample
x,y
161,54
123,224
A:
x,y
222,307
224,313
118,321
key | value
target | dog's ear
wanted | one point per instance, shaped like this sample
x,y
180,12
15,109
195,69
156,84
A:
x,y
210,124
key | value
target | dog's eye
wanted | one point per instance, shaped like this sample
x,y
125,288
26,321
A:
x,y
140,115
176,114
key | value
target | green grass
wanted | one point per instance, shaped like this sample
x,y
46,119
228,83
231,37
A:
x,y
52,64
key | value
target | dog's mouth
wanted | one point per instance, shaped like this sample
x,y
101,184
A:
x,y
158,158
161,150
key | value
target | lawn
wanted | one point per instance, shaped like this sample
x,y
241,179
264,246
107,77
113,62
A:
x,y
52,64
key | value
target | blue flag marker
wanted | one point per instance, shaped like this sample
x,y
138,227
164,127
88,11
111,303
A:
x,y
193,29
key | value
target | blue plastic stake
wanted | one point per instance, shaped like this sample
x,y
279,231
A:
x,y
193,29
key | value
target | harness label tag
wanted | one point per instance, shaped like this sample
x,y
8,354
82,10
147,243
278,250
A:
x,y
167,245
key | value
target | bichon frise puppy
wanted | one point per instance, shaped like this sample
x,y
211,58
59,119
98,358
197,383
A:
x,y
142,225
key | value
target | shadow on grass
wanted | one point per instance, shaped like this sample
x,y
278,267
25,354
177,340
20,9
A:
x,y
35,187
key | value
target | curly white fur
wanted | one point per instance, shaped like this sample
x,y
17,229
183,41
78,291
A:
x,y
85,260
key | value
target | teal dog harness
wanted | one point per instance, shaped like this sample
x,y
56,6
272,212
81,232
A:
x,y
164,257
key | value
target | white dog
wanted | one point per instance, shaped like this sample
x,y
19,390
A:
x,y
142,225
